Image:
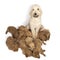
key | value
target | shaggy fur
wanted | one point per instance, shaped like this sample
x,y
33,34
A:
x,y
25,41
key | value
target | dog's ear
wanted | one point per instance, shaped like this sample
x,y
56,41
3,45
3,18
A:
x,y
31,9
30,13
41,11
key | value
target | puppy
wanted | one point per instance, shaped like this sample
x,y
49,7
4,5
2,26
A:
x,y
35,20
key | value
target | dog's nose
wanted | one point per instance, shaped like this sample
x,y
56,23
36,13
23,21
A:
x,y
35,13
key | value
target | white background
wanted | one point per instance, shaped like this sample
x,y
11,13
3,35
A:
x,y
15,13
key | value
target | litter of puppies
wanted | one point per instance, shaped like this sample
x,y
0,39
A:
x,y
22,38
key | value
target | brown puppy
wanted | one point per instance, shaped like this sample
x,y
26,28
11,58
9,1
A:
x,y
30,43
44,35
38,49
23,31
25,49
13,31
12,44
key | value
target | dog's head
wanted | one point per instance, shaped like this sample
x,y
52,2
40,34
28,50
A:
x,y
35,11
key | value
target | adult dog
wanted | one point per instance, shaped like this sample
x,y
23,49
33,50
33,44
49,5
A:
x,y
35,20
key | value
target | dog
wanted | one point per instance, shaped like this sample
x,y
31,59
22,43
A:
x,y
35,20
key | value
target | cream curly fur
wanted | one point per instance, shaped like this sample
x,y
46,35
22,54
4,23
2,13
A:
x,y
35,20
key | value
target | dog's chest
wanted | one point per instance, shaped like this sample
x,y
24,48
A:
x,y
35,22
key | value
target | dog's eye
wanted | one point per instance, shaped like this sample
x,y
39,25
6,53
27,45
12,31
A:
x,y
37,8
33,9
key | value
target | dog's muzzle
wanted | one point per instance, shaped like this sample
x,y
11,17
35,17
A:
x,y
35,15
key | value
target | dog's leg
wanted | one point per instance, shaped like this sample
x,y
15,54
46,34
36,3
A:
x,y
37,31
28,26
33,33
42,28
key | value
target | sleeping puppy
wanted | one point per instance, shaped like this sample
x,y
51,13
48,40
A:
x,y
35,20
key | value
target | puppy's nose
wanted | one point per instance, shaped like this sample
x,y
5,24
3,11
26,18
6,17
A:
x,y
35,13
